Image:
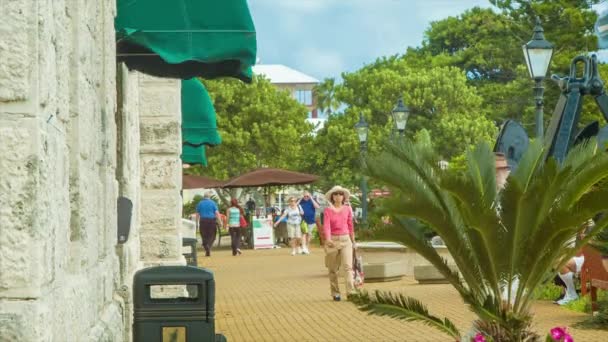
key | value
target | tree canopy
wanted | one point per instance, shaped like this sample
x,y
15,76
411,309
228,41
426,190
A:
x,y
467,76
260,125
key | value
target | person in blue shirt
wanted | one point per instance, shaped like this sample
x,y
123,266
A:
x,y
207,213
309,206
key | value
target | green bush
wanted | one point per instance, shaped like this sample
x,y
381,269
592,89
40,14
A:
x,y
583,304
597,321
548,291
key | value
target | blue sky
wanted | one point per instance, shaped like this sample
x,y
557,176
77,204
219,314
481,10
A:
x,y
323,38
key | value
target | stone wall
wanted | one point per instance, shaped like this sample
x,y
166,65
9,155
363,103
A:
x,y
161,170
76,132
60,274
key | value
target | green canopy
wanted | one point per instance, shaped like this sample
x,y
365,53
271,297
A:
x,y
194,154
199,124
186,38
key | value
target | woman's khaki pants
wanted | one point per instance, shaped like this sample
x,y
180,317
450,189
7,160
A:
x,y
341,255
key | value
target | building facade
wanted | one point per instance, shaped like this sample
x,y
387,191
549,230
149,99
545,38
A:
x,y
298,84
78,130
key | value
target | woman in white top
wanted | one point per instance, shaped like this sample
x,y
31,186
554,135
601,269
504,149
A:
x,y
294,218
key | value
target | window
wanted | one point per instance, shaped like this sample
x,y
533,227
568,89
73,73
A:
x,y
304,97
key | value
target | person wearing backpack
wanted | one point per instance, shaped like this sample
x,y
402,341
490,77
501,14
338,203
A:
x,y
309,206
294,214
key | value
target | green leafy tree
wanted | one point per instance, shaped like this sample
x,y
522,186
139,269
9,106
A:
x,y
261,126
336,151
486,44
504,242
439,98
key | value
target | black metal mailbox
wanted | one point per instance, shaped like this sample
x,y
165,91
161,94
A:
x,y
188,316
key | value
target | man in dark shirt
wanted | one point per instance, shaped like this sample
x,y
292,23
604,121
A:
x,y
250,206
309,206
207,212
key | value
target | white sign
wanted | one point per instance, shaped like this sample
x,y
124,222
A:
x,y
262,233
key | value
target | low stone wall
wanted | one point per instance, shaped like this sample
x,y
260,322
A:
x,y
374,252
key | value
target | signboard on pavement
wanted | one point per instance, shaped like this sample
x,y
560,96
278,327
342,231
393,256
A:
x,y
262,233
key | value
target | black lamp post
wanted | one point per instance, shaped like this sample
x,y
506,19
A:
x,y
400,115
538,53
362,129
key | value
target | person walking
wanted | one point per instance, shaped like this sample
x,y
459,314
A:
x,y
207,213
294,214
309,206
339,235
234,214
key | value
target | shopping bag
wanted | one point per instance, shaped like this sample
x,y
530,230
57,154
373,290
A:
x,y
243,223
304,227
358,269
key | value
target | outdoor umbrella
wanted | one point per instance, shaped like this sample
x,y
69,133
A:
x,y
200,182
268,176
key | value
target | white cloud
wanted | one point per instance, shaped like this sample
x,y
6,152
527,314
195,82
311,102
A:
x,y
326,37
318,62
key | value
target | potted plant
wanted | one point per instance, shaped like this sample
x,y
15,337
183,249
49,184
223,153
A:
x,y
504,241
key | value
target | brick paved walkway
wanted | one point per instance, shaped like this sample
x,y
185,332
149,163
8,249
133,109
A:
x,y
269,295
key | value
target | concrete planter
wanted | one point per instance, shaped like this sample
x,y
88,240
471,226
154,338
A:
x,y
384,261
428,274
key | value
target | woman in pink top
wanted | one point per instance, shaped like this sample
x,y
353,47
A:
x,y
339,239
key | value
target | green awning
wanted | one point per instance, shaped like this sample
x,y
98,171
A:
x,y
194,155
199,125
186,38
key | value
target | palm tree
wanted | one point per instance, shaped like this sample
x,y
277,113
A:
x,y
325,93
504,242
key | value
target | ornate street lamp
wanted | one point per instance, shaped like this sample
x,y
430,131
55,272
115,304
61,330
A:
x,y
538,53
362,129
400,115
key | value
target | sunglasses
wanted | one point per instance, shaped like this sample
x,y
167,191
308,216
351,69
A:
x,y
339,193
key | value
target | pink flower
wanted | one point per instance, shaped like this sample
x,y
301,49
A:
x,y
479,338
558,333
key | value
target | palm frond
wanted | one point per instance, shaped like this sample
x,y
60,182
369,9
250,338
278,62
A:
x,y
402,307
495,237
530,163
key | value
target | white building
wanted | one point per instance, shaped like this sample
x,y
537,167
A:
x,y
297,83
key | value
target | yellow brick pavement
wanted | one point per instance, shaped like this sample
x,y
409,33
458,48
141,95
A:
x,y
269,295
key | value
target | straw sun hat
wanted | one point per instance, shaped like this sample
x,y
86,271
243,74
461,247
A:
x,y
337,188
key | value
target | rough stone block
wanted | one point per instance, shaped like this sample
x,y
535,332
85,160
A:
x,y
159,172
156,246
19,170
17,317
16,30
160,136
160,97
19,247
160,210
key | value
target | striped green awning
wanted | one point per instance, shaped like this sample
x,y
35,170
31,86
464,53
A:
x,y
199,125
186,38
